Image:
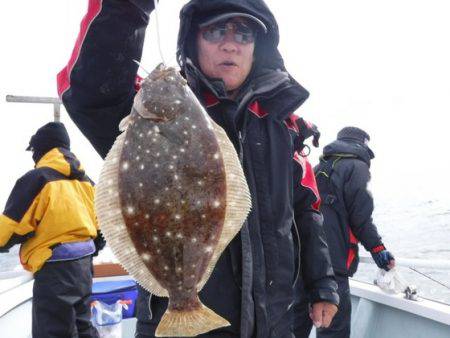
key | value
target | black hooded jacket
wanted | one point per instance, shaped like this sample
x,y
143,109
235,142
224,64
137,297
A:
x,y
347,205
252,283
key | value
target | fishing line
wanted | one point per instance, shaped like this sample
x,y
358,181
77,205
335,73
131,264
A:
x,y
140,66
434,280
158,36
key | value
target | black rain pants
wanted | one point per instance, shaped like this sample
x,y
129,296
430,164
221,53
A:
x,y
61,300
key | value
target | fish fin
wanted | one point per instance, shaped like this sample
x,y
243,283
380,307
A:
x,y
112,223
238,199
191,323
123,125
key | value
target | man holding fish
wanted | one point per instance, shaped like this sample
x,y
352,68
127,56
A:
x,y
227,52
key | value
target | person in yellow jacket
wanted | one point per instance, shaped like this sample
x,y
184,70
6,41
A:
x,y
50,212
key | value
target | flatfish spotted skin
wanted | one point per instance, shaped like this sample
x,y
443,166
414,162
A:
x,y
176,226
170,198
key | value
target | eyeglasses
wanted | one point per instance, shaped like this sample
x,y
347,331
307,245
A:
x,y
242,32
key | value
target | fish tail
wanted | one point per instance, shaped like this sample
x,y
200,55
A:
x,y
189,323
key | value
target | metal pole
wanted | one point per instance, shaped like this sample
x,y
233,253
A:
x,y
56,102
56,112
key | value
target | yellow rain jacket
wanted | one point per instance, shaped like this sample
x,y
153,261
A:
x,y
56,202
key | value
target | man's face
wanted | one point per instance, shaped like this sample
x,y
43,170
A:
x,y
225,51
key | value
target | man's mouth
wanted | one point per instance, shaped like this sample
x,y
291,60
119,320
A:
x,y
228,64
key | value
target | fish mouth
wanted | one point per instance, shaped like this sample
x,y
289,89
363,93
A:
x,y
159,119
153,117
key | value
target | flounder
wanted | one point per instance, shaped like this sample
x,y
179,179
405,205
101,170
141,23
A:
x,y
171,196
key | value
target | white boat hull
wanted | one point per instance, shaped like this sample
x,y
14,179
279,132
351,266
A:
x,y
375,314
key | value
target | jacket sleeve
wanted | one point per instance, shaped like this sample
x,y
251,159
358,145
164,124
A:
x,y
97,86
316,269
22,213
359,205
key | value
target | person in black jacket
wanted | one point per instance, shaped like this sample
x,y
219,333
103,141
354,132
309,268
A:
x,y
227,51
342,177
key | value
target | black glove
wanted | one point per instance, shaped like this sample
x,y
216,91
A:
x,y
147,6
306,130
99,242
382,258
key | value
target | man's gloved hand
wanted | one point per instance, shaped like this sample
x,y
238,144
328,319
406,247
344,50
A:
x,y
306,130
383,258
322,313
99,242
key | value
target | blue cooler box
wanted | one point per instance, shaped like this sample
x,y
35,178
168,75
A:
x,y
110,292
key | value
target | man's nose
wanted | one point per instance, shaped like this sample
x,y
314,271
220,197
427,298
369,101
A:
x,y
228,44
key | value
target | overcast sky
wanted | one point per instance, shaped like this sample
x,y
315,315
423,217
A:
x,y
380,65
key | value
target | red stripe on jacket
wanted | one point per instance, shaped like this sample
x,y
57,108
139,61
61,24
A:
x,y
351,251
291,123
308,178
378,249
138,82
257,110
350,257
210,99
63,77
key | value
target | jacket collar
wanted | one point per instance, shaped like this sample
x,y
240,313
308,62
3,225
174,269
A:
x,y
273,91
61,160
347,149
